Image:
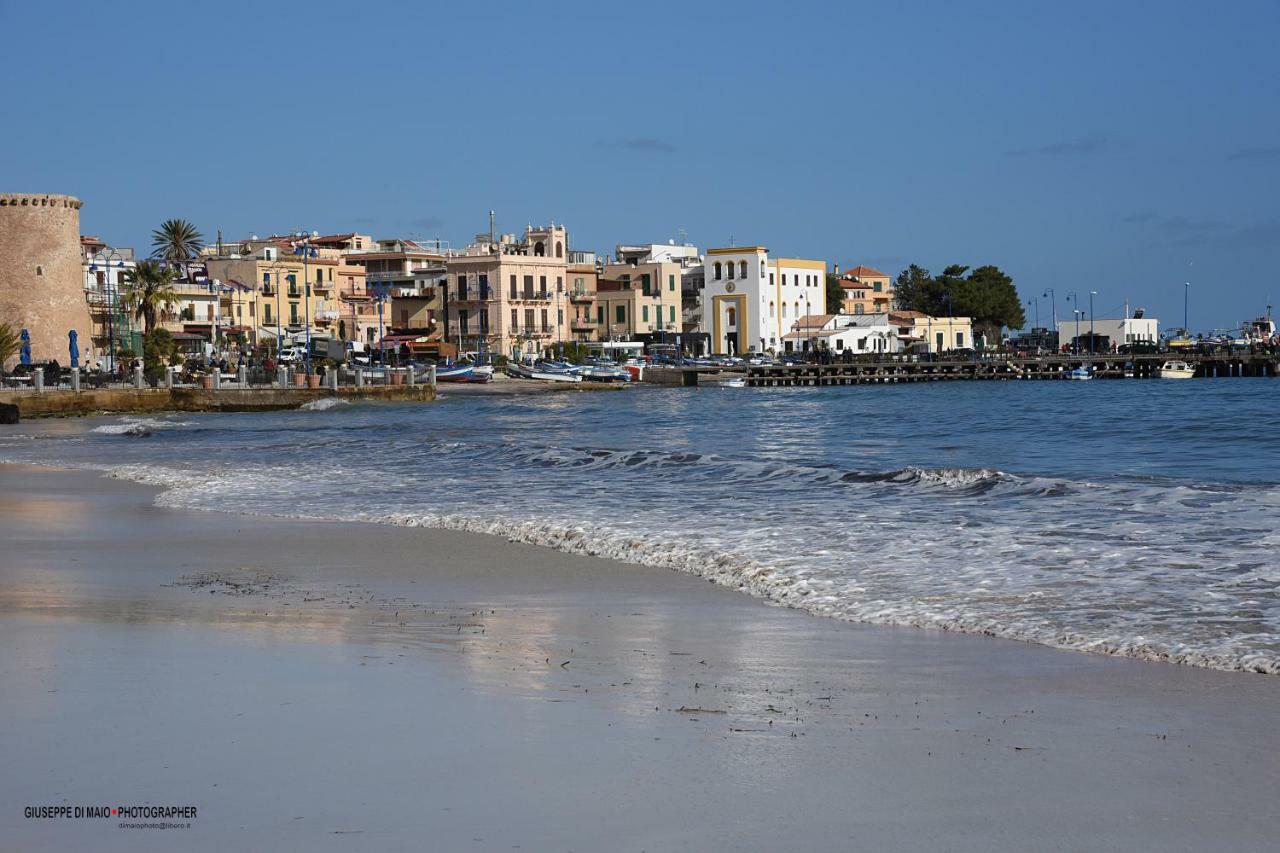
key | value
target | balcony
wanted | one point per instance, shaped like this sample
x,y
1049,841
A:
x,y
581,296
533,295
583,325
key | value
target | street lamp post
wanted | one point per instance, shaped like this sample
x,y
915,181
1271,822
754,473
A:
x,y
276,268
302,247
1053,305
1074,299
1092,293
110,258
1186,322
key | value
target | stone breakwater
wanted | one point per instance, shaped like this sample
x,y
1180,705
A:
x,y
63,403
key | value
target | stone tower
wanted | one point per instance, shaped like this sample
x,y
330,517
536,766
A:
x,y
41,278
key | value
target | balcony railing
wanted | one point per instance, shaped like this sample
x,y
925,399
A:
x,y
581,296
533,294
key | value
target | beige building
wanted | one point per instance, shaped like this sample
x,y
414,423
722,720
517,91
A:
x,y
508,294
639,296
281,291
921,332
582,281
867,291
402,288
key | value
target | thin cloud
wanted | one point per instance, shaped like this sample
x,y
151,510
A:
x,y
1068,148
1256,155
643,144
1180,232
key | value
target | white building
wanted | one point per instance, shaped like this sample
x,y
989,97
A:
x,y
749,300
838,334
1117,333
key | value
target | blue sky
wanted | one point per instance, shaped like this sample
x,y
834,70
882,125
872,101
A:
x,y
1119,147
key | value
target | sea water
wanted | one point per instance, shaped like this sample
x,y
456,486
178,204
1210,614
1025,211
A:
x,y
1137,518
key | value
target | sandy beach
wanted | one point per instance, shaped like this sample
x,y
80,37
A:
x,y
342,686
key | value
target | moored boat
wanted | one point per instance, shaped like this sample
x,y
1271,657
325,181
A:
x,y
1176,370
1080,373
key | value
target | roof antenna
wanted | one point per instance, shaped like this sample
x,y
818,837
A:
x,y
491,215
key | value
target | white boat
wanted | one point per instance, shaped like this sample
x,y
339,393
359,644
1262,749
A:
x,y
734,383
1080,373
534,371
1176,370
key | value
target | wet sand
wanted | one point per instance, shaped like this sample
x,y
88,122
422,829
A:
x,y
314,686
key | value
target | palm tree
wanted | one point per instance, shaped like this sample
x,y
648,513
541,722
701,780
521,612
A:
x,y
148,289
176,241
9,344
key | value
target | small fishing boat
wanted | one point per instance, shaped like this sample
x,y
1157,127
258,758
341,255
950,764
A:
x,y
734,383
455,373
1080,373
1176,370
541,372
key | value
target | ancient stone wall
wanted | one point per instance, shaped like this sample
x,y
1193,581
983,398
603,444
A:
x,y
41,277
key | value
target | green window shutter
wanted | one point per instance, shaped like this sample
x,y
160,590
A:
x,y
645,313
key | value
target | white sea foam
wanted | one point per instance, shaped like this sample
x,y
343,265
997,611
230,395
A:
x,y
138,427
324,404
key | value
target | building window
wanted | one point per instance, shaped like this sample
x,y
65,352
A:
x,y
559,284
620,312
484,285
857,309
538,249
644,284
644,313
771,279
266,313
732,317
772,310
600,314
729,270
877,287
959,340
839,344
542,285
673,313
515,318
293,313
462,286
671,283
784,309
514,295
559,249
528,287
463,321
742,269
528,319
716,271
546,326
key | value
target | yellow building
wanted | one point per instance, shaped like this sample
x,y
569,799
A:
x,y
284,291
866,291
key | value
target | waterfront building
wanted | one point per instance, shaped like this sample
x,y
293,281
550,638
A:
x,y
1108,332
507,294
583,278
106,271
640,291
838,334
920,332
750,300
279,290
402,288
866,291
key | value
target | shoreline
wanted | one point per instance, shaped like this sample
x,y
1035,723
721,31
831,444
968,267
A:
x,y
751,726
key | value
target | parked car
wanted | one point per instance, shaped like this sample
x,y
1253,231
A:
x,y
290,355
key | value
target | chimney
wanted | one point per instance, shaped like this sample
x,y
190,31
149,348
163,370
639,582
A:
x,y
835,268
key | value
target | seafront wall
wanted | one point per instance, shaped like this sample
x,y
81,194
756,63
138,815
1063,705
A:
x,y
64,403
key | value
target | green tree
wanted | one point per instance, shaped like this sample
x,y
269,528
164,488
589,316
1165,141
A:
x,y
10,343
986,295
176,241
148,289
913,289
158,350
835,294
